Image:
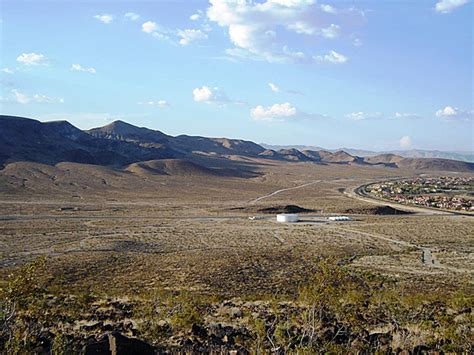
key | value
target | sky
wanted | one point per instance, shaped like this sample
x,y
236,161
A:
x,y
378,75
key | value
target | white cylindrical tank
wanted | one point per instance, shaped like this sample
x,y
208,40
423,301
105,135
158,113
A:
x,y
287,218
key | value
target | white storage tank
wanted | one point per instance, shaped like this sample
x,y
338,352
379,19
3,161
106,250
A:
x,y
287,218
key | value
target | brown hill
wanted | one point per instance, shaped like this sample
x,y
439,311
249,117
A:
x,y
270,154
292,155
384,159
339,157
175,167
435,164
63,178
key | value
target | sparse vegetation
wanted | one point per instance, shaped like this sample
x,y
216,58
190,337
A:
x,y
338,310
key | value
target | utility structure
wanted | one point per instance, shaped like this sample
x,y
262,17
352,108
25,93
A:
x,y
340,218
287,218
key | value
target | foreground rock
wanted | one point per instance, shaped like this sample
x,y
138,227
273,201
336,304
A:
x,y
117,344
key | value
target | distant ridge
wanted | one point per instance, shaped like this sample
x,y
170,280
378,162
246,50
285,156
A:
x,y
139,149
412,153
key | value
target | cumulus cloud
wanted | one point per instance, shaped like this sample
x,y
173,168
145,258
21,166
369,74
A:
x,y
328,8
446,6
358,116
194,17
405,142
159,103
332,57
32,59
153,29
105,18
207,94
7,70
281,112
263,30
454,113
132,16
20,97
273,87
149,27
78,67
190,35
272,113
331,32
24,99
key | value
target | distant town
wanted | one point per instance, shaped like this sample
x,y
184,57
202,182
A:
x,y
451,193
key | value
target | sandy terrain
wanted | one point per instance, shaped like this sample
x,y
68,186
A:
x,y
184,232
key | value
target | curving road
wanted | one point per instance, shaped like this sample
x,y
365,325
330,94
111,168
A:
x,y
283,190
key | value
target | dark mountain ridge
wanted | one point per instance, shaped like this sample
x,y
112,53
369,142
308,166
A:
x,y
121,144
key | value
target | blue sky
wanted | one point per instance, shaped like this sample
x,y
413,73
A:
x,y
365,74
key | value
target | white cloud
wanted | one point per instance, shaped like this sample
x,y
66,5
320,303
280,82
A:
x,y
448,111
264,30
47,99
78,67
358,116
194,17
7,70
328,8
273,113
190,35
357,42
24,99
273,87
20,98
454,113
163,103
159,103
105,18
332,57
302,28
153,29
210,95
149,27
331,32
446,6
406,115
405,142
32,59
132,16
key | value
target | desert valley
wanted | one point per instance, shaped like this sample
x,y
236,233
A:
x,y
171,244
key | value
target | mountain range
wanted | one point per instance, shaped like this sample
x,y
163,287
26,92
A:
x,y
138,149
411,153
